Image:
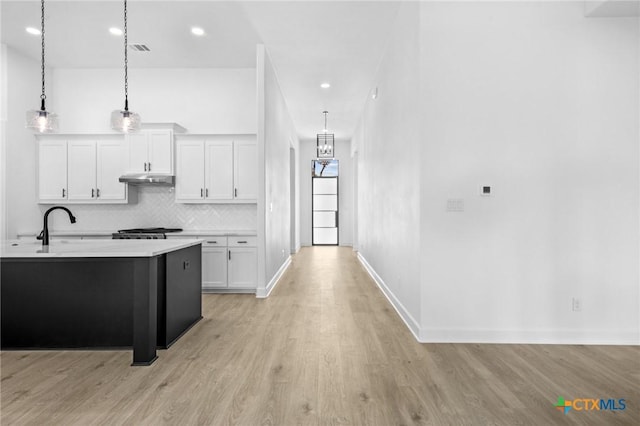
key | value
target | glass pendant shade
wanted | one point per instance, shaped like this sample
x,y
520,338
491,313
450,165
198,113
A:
x,y
125,121
42,121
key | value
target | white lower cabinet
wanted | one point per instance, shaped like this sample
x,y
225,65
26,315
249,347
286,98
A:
x,y
243,262
214,263
242,267
229,263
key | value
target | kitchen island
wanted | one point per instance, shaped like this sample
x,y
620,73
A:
x,y
106,294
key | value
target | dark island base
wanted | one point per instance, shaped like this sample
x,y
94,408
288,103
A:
x,y
73,303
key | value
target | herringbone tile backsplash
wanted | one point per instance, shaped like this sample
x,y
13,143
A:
x,y
156,208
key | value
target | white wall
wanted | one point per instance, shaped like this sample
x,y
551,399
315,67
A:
x,y
23,94
202,100
388,143
345,191
3,140
275,133
541,103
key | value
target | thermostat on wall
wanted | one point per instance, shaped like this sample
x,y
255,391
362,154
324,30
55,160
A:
x,y
485,190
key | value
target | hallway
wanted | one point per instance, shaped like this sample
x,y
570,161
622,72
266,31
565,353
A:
x,y
325,348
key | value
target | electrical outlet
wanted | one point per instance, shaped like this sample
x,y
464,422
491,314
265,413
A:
x,y
576,304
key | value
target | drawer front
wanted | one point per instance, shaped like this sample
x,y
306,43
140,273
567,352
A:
x,y
214,241
243,241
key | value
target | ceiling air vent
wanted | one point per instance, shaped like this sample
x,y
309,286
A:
x,y
139,47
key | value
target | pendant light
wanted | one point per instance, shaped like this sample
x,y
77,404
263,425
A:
x,y
124,120
324,141
41,120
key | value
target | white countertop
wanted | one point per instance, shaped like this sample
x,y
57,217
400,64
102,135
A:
x,y
92,248
98,234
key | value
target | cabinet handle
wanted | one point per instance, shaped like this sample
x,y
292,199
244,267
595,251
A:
x,y
212,242
235,192
206,192
149,166
63,192
242,242
145,166
201,192
97,192
229,254
92,192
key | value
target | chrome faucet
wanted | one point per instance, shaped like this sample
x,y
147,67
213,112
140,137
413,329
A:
x,y
44,235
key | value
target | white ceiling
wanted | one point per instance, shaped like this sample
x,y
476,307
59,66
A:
x,y
309,42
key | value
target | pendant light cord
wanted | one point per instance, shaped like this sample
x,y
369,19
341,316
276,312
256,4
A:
x,y
325,119
42,96
126,61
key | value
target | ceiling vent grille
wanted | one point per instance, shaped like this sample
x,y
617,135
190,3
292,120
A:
x,y
139,47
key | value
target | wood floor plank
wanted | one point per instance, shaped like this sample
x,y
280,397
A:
x,y
325,348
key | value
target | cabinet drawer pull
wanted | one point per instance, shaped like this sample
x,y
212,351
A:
x,y
63,192
145,166
229,254
212,242
242,242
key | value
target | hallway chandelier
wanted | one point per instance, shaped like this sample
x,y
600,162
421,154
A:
x,y
325,141
41,120
124,120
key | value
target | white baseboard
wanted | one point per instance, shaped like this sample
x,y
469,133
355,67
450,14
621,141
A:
x,y
502,336
408,319
540,336
262,293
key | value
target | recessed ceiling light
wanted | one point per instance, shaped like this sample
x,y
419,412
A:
x,y
115,31
33,31
197,31
325,85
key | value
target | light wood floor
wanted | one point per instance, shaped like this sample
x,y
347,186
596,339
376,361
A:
x,y
325,348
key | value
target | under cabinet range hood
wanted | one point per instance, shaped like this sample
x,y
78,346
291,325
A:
x,y
148,179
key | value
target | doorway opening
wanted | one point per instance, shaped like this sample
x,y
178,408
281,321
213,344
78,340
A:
x,y
324,204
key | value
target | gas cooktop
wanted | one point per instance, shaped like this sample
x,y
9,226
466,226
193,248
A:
x,y
143,233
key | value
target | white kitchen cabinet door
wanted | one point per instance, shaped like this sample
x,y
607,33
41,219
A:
x,y
138,152
52,170
219,170
110,164
190,171
243,270
160,158
214,267
245,178
81,157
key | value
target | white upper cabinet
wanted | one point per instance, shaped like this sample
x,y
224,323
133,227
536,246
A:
x,y
52,170
81,173
150,151
160,151
218,169
190,171
80,170
138,151
110,166
245,156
